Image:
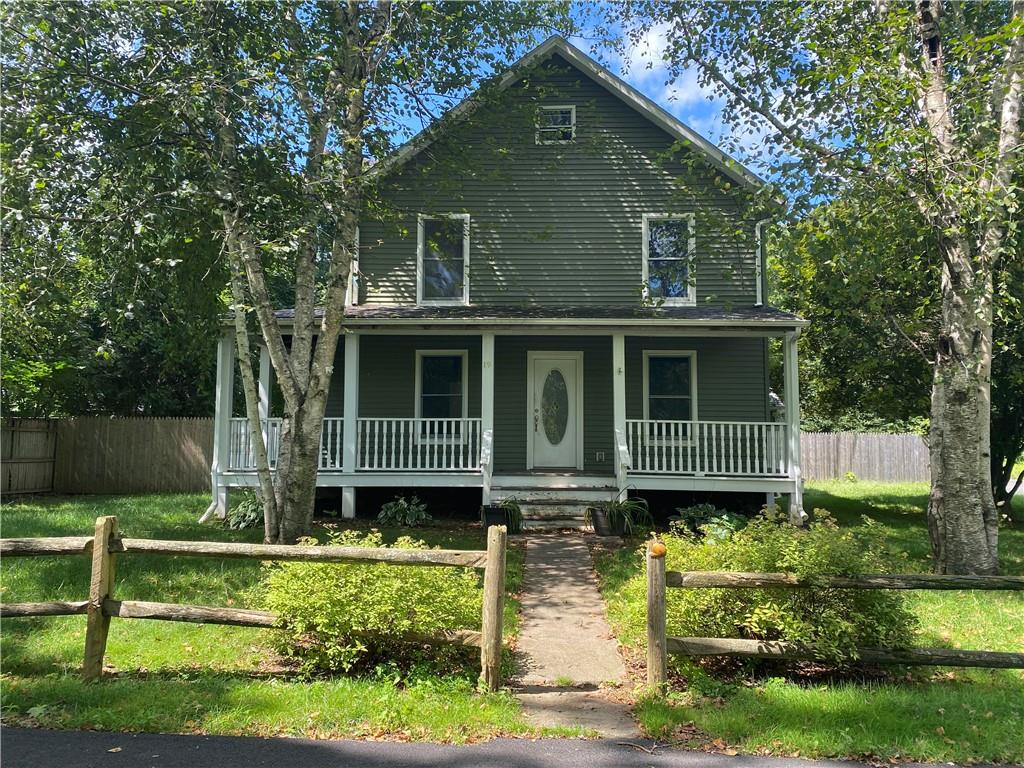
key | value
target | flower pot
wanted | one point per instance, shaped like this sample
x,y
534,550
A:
x,y
599,519
492,514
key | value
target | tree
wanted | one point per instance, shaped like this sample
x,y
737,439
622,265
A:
x,y
893,102
272,115
869,364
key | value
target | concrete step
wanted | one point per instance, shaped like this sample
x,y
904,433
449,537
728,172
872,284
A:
x,y
543,510
532,495
573,524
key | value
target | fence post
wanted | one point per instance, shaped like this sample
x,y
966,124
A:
x,y
101,587
657,660
493,608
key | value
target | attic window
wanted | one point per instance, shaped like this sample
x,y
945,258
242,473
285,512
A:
x,y
556,125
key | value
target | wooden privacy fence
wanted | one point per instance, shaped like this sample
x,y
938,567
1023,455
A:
x,y
27,455
98,454
660,644
105,545
868,455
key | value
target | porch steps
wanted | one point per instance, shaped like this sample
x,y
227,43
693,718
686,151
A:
x,y
554,508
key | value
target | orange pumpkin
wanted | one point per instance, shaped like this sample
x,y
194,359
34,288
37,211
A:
x,y
658,549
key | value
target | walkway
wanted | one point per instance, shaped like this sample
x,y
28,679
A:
x,y
568,659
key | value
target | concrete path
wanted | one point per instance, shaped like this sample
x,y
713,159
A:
x,y
89,749
568,660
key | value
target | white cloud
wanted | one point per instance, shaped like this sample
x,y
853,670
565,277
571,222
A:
x,y
643,64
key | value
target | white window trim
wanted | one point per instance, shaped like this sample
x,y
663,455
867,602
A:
x,y
692,355
420,244
352,289
551,108
418,407
690,299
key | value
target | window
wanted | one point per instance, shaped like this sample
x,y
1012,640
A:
x,y
441,384
670,386
668,248
443,259
556,125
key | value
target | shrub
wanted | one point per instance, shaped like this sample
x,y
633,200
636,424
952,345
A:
x,y
834,621
402,511
247,513
513,514
338,617
707,520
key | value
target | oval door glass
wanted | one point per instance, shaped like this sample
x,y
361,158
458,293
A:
x,y
554,406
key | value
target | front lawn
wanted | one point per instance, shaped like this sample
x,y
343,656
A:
x,y
934,714
186,678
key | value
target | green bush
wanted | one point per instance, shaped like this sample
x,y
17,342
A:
x,y
833,621
339,617
247,513
402,511
706,520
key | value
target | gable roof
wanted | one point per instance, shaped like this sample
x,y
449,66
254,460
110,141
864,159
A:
x,y
611,83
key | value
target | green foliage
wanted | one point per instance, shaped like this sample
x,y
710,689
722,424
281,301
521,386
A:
x,y
626,516
246,513
404,512
707,520
833,621
342,617
513,514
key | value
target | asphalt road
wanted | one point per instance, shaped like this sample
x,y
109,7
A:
x,y
31,748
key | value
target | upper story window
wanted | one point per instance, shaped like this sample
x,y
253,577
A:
x,y
556,125
670,385
669,244
442,260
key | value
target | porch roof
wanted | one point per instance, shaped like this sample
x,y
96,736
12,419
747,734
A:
x,y
611,317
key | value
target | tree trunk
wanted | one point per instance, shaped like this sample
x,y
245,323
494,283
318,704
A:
x,y
297,467
962,515
258,433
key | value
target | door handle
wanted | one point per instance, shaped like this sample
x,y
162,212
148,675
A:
x,y
536,420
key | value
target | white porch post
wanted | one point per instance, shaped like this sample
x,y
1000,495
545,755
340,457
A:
x,y
486,404
792,403
222,423
264,382
264,394
619,403
350,425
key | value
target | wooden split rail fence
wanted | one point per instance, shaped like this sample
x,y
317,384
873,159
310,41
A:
x,y
105,546
660,644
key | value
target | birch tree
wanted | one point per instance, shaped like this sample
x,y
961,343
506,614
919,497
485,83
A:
x,y
897,101
272,115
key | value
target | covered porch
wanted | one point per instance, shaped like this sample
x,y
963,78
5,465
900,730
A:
x,y
372,435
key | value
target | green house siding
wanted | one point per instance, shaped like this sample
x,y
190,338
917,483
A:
x,y
336,393
732,380
559,224
387,372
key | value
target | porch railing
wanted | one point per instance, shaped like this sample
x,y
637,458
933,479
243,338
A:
x,y
383,445
733,448
389,445
241,455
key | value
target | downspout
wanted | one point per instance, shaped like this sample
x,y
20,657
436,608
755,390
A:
x,y
759,262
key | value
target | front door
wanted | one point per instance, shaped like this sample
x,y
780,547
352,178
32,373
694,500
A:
x,y
555,410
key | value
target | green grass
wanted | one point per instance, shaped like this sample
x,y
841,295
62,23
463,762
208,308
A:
x,y
202,678
932,714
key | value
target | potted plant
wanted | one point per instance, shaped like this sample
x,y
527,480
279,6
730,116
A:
x,y
506,512
620,517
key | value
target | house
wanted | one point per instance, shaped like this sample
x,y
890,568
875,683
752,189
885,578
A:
x,y
573,310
